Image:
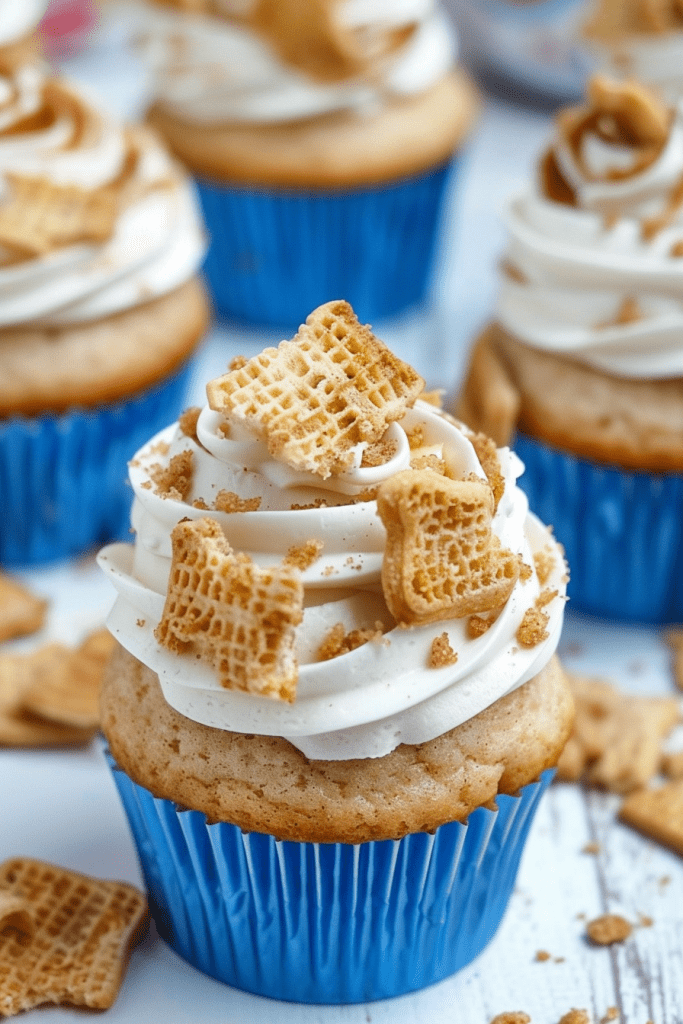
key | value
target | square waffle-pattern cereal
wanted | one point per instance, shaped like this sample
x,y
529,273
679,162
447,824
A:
x,y
78,936
38,216
236,616
314,398
441,561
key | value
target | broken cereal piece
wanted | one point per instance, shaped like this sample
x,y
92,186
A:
x,y
228,501
175,480
79,938
21,612
235,616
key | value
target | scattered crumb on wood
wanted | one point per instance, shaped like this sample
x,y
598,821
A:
x,y
608,929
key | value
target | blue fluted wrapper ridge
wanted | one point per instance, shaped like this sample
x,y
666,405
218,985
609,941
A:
x,y
63,478
622,532
276,255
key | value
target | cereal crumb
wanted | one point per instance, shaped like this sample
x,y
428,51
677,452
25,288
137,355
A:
x,y
611,1013
532,629
228,501
338,641
174,481
318,503
591,848
200,504
477,626
610,928
542,955
378,453
140,622
525,571
645,921
545,563
441,652
415,437
575,1017
303,555
187,421
514,1017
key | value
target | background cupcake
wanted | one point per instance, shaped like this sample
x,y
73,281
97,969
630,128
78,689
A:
x,y
639,39
584,360
322,137
100,308
322,729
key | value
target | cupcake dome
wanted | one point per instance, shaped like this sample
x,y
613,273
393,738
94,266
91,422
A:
x,y
315,714
100,308
585,359
305,123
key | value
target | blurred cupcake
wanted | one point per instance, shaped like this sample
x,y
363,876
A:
x,y
640,39
100,309
322,136
341,626
584,362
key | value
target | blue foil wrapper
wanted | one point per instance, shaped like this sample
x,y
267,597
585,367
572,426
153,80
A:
x,y
276,255
329,922
622,532
63,478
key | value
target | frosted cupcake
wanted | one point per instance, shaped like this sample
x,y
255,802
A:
x,y
584,362
334,703
639,39
322,137
100,308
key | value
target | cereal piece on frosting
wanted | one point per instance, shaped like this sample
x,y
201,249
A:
x,y
175,480
532,629
187,421
303,555
442,560
441,653
229,501
315,398
40,216
338,641
234,615
74,937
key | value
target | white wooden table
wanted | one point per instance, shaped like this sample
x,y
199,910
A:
x,y
62,806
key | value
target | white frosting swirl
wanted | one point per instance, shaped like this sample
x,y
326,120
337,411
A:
x,y
368,701
211,70
18,18
574,266
49,131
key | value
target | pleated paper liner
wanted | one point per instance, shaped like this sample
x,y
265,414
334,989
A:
x,y
63,486
276,255
331,922
622,532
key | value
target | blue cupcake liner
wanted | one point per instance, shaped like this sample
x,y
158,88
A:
x,y
329,922
276,255
63,478
622,532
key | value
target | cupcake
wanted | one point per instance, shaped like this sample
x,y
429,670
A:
x,y
583,364
100,308
334,702
322,138
638,39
